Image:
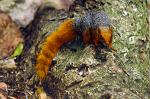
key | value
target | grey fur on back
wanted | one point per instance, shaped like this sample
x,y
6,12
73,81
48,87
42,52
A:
x,y
91,20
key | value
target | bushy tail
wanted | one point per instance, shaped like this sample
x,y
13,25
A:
x,y
51,46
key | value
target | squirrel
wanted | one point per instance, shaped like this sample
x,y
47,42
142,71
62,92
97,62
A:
x,y
94,28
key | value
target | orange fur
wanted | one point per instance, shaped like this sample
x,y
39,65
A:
x,y
94,35
106,33
52,44
64,34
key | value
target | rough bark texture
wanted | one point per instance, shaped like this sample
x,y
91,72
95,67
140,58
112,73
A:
x,y
79,75
124,74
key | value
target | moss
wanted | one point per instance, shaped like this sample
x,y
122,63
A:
x,y
129,22
125,73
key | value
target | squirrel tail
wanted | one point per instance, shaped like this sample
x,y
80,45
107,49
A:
x,y
51,46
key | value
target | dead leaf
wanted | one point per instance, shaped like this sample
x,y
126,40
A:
x,y
3,86
10,35
4,91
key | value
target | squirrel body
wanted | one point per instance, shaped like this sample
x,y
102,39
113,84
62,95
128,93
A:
x,y
93,28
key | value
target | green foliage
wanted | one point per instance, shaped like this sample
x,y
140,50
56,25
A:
x,y
17,51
